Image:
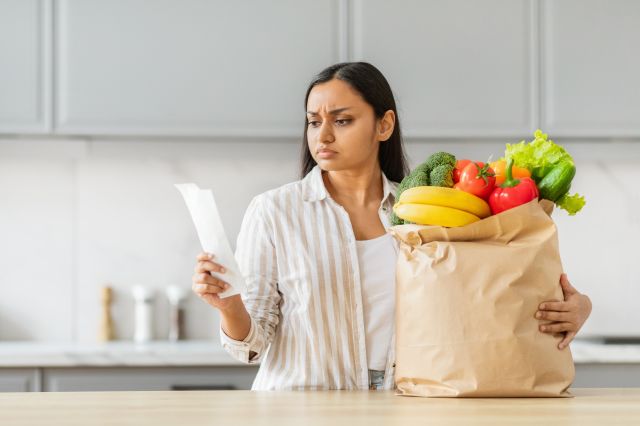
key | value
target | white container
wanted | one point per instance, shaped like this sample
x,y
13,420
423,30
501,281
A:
x,y
143,327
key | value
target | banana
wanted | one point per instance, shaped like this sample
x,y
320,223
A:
x,y
426,214
446,197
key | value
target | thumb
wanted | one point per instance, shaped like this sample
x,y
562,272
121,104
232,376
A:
x,y
567,288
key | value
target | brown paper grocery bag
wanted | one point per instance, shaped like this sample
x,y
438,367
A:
x,y
465,304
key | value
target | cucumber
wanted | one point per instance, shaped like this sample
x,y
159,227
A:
x,y
557,182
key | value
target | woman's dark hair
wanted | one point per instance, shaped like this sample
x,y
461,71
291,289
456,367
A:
x,y
375,90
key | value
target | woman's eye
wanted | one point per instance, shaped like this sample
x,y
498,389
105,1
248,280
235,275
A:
x,y
342,122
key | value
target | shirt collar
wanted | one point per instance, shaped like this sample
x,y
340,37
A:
x,y
313,188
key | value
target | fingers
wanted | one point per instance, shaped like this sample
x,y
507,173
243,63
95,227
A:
x,y
555,316
204,289
205,256
567,339
206,264
205,283
555,306
206,278
557,327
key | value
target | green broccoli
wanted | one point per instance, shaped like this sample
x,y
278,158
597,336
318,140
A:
x,y
417,177
442,175
436,171
395,220
440,158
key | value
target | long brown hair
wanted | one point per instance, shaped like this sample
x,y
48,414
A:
x,y
375,90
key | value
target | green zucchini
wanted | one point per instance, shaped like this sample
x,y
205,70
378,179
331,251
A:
x,y
557,182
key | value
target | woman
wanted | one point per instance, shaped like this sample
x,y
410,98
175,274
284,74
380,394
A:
x,y
318,263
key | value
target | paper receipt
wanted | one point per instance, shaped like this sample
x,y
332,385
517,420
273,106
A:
x,y
206,218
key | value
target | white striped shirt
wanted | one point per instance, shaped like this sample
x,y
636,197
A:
x,y
297,252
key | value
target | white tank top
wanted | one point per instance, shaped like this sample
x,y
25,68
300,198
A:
x,y
377,261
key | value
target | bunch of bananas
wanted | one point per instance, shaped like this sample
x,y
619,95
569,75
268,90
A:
x,y
435,205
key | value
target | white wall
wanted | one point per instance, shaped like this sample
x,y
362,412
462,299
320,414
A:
x,y
77,214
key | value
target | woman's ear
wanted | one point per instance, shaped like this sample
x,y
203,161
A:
x,y
386,126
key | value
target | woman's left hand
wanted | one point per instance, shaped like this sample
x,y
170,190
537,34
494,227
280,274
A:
x,y
568,316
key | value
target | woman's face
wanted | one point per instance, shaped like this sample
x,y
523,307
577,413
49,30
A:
x,y
343,132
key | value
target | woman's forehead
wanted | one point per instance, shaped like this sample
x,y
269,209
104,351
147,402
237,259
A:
x,y
334,94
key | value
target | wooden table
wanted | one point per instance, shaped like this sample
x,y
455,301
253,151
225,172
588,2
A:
x,y
190,408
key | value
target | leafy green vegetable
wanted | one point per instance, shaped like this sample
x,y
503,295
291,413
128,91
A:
x,y
418,177
438,159
442,175
571,203
424,173
540,157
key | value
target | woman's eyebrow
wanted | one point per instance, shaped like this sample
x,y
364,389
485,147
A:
x,y
333,111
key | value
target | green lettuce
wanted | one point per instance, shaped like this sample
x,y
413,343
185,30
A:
x,y
540,156
571,203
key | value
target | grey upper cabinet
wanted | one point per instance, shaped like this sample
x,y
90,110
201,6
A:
x,y
458,67
24,66
591,72
190,67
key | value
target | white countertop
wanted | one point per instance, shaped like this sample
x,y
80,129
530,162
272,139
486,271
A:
x,y
115,354
593,351
209,353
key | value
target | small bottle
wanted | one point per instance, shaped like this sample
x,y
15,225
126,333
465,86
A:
x,y
176,296
143,298
106,330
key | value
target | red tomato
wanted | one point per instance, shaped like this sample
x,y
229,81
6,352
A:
x,y
460,164
477,179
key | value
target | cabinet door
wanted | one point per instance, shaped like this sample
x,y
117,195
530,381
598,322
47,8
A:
x,y
190,67
19,380
147,378
607,375
24,66
591,77
457,67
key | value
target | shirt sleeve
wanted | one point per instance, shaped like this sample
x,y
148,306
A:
x,y
256,257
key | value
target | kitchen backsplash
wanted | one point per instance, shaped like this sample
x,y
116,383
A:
x,y
79,214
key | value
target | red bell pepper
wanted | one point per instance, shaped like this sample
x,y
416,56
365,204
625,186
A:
x,y
513,192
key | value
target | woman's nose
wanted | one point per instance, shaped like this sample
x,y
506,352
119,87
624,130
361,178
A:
x,y
325,133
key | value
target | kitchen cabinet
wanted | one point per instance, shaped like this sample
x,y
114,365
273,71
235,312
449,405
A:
x,y
19,380
607,375
147,378
591,67
458,68
190,67
25,66
61,379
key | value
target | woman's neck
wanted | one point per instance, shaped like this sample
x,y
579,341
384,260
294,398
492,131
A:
x,y
356,187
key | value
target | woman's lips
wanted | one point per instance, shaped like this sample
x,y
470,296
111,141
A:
x,y
326,153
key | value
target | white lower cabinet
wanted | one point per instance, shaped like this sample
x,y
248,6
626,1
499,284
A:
x,y
607,375
147,378
19,379
77,379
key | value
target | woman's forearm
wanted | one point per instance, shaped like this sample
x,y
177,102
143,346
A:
x,y
235,321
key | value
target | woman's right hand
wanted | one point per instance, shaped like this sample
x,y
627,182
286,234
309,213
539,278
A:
x,y
208,287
